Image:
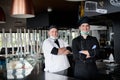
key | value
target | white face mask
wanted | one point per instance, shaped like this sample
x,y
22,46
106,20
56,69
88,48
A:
x,y
53,37
84,33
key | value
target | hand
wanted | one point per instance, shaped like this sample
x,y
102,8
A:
x,y
86,53
66,52
61,50
87,56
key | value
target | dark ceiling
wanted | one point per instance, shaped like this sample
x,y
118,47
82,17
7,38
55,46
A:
x,y
41,6
56,5
69,8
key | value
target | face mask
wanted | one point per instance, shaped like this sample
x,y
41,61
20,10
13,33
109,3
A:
x,y
53,37
84,33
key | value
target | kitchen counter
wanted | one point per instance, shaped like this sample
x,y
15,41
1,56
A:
x,y
108,71
28,73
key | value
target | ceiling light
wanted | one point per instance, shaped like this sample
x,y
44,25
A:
x,y
115,2
49,9
2,16
22,9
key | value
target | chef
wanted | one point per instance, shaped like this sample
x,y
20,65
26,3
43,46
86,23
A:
x,y
55,52
85,51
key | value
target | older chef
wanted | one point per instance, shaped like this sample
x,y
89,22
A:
x,y
55,52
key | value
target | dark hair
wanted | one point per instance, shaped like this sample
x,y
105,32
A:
x,y
82,20
52,26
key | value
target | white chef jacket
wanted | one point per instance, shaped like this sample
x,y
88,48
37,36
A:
x,y
54,63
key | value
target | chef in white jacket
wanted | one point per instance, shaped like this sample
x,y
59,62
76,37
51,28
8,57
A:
x,y
55,51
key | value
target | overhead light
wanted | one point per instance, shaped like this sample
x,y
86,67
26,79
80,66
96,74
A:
x,y
49,9
22,9
75,0
115,3
102,11
2,16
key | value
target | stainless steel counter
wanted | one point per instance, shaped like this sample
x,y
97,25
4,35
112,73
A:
x,y
108,71
19,70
